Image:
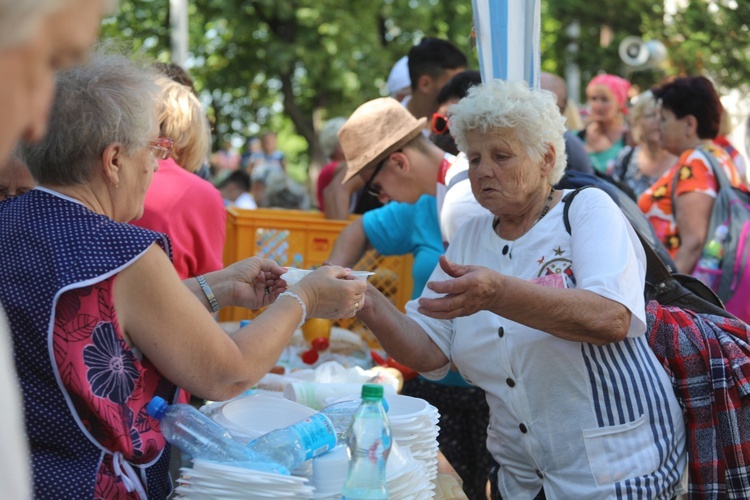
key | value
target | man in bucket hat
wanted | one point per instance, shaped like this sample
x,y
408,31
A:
x,y
384,146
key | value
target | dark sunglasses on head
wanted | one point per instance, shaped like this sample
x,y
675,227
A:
x,y
439,124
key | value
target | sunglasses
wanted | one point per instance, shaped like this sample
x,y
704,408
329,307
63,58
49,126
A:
x,y
161,148
375,191
439,124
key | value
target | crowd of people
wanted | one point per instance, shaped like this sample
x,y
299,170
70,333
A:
x,y
529,337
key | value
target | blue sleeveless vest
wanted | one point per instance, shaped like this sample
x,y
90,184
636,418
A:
x,y
50,244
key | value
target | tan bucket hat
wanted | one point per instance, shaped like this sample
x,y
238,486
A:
x,y
376,129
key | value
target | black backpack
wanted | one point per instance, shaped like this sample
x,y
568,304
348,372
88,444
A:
x,y
575,180
662,285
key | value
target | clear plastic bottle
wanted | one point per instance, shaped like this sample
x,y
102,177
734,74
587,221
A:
x,y
198,435
287,448
342,414
369,442
708,268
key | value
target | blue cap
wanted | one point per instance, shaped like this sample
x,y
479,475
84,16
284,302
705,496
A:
x,y
157,407
244,323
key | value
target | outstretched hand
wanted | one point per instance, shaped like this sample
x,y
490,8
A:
x,y
257,282
331,292
471,289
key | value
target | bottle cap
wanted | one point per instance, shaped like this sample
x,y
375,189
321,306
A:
x,y
372,391
157,407
721,232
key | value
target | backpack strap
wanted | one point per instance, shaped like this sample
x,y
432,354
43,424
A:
x,y
657,271
661,285
722,180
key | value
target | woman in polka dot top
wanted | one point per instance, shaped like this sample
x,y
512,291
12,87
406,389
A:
x,y
101,322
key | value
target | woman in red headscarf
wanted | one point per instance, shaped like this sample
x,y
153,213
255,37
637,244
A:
x,y
606,132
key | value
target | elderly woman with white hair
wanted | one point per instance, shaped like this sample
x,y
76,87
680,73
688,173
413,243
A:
x,y
100,320
549,323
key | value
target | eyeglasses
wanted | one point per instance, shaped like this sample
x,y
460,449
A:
x,y
439,124
161,148
375,191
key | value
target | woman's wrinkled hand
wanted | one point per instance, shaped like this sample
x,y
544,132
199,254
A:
x,y
256,282
330,292
472,289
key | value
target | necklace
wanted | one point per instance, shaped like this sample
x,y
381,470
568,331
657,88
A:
x,y
496,222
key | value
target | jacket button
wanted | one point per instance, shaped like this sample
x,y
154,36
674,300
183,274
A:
x,y
510,382
539,474
523,428
500,332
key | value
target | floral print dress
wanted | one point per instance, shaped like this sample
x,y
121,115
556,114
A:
x,y
84,389
695,175
107,382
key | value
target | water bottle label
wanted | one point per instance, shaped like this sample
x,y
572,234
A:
x,y
317,435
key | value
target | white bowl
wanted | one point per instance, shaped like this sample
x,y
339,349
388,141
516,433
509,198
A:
x,y
252,416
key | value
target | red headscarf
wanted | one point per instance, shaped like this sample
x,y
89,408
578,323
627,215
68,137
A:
x,y
618,86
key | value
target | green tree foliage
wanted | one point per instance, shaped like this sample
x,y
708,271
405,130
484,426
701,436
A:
x,y
288,65
712,38
707,37
602,26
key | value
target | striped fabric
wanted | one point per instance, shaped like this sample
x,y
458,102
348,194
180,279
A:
x,y
507,34
621,394
708,360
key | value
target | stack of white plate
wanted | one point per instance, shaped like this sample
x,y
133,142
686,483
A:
x,y
209,480
407,476
414,423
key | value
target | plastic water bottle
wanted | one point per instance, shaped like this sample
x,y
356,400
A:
x,y
287,448
708,268
369,442
341,415
198,435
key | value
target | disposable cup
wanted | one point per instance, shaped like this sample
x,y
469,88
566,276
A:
x,y
314,394
329,470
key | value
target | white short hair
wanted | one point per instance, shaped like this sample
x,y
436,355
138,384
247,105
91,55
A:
x,y
20,18
329,138
533,114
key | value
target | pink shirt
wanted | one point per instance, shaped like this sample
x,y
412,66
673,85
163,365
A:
x,y
191,212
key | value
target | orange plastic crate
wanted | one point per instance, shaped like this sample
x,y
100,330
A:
x,y
304,240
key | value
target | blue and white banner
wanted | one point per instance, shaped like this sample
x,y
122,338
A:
x,y
507,34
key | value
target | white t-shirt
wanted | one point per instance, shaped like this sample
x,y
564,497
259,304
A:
x,y
15,479
246,201
579,420
457,204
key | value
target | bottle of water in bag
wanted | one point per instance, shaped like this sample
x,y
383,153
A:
x,y
708,268
369,442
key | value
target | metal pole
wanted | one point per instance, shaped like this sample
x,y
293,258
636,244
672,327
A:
x,y
178,20
572,71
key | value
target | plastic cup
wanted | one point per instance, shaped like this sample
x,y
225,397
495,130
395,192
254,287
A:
x,y
329,471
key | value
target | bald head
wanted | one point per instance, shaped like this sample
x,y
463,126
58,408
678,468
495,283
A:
x,y
556,85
